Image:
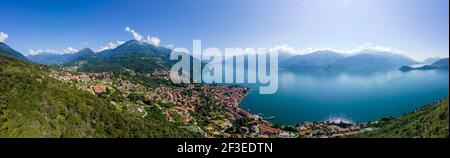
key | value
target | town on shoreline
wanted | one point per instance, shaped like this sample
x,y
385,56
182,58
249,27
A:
x,y
211,109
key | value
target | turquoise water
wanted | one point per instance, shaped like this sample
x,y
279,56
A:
x,y
358,97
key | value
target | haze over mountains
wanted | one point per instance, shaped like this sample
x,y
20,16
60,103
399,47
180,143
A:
x,y
143,57
328,60
431,60
333,61
439,64
59,59
316,60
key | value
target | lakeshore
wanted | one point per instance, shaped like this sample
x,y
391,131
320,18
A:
x,y
211,109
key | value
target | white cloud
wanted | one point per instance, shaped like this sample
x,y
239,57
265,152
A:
x,y
70,50
39,51
283,48
34,52
170,46
150,39
370,46
110,45
289,49
366,46
135,34
153,40
312,49
3,36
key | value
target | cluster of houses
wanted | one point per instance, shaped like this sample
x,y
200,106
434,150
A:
x,y
98,89
186,98
327,129
163,74
71,77
86,80
229,96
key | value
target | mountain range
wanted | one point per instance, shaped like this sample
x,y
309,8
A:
x,y
327,60
135,55
431,60
143,57
316,60
59,59
440,64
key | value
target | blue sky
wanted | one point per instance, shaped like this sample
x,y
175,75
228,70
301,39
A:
x,y
417,28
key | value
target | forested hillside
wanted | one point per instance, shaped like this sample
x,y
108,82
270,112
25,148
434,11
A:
x,y
33,104
430,121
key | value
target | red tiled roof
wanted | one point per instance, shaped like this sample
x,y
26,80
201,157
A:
x,y
99,88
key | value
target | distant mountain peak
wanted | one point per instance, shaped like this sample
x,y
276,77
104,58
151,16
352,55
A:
x,y
132,42
85,51
439,64
364,60
431,60
3,44
135,42
8,51
373,52
60,59
325,53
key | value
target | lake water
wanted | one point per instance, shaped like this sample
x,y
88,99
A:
x,y
358,97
